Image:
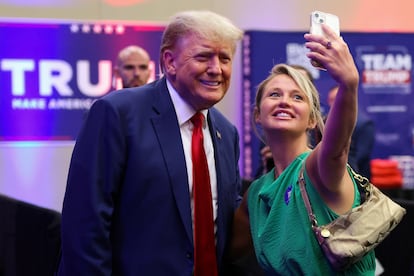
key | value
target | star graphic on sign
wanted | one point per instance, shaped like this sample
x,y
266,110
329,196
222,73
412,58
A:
x,y
86,28
74,28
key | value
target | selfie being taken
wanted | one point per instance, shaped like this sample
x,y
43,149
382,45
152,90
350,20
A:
x,y
206,138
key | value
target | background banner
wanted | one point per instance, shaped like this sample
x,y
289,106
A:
x,y
384,61
50,73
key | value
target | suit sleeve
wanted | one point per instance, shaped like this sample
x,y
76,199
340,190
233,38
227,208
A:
x,y
92,185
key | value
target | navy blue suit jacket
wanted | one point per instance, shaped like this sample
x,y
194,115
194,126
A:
x,y
127,204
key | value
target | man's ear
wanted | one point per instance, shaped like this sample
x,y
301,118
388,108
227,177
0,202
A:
x,y
169,62
116,71
116,78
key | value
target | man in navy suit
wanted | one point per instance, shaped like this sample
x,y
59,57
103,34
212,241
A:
x,y
128,203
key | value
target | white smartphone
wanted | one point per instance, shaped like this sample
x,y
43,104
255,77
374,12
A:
x,y
318,18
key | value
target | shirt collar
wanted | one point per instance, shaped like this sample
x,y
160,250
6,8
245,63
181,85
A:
x,y
183,110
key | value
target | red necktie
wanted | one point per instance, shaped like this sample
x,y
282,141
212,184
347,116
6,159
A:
x,y
204,241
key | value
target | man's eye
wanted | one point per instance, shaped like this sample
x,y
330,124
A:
x,y
202,58
225,59
132,67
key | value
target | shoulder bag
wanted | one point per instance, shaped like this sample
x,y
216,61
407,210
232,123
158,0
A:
x,y
348,238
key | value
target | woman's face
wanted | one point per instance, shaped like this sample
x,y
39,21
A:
x,y
284,106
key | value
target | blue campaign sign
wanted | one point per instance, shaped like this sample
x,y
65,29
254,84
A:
x,y
384,61
51,72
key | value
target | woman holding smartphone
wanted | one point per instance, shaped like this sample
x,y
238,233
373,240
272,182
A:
x,y
272,219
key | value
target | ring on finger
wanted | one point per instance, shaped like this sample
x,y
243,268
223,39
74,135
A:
x,y
329,45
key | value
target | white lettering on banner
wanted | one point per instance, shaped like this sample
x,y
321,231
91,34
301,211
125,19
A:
x,y
17,68
33,103
51,104
387,138
387,108
387,62
386,69
56,74
104,79
296,54
70,103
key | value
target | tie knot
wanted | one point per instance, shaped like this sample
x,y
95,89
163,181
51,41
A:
x,y
197,119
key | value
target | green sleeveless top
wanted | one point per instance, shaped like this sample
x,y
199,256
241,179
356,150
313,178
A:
x,y
282,235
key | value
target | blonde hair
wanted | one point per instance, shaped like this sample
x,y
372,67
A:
x,y
304,83
204,24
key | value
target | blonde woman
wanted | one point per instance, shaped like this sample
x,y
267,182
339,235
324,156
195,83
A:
x,y
272,218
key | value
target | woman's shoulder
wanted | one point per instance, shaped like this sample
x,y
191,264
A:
x,y
258,183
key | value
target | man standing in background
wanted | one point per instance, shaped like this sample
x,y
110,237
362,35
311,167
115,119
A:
x,y
132,67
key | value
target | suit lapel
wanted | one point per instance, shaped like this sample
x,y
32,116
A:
x,y
216,138
168,133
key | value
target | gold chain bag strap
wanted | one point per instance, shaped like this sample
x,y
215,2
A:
x,y
348,238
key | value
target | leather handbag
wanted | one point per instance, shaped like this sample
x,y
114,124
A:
x,y
349,237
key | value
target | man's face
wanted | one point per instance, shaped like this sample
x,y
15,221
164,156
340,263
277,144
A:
x,y
200,70
134,70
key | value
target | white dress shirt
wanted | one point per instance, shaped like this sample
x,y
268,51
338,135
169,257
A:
x,y
184,113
